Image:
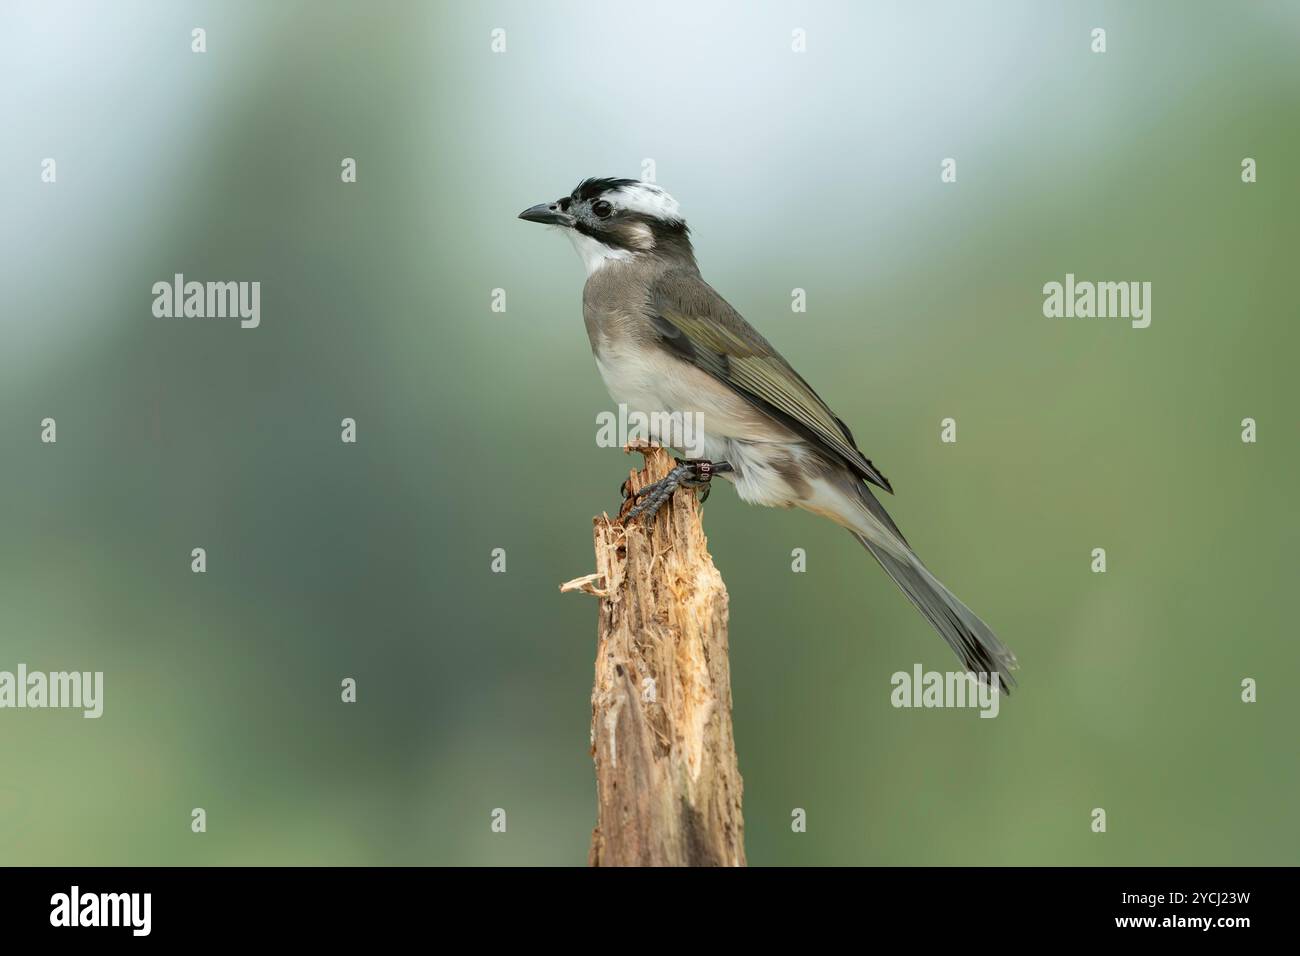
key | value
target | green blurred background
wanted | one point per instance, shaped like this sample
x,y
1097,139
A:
x,y
817,170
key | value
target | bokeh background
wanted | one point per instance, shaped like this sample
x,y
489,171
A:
x,y
817,170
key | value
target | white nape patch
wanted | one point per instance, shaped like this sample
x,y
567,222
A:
x,y
595,253
640,235
647,199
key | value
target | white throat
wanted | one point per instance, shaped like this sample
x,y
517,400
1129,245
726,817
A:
x,y
594,253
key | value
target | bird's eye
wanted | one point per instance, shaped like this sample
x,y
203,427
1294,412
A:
x,y
602,209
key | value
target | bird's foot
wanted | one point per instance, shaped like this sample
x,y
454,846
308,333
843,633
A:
x,y
691,473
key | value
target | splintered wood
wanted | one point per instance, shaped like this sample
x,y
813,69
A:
x,y
668,786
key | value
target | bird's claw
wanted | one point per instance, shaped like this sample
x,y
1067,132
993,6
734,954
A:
x,y
691,473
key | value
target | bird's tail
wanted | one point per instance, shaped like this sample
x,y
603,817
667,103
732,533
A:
x,y
980,651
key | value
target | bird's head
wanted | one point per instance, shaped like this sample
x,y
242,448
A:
x,y
617,219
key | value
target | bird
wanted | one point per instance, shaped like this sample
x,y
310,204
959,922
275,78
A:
x,y
667,344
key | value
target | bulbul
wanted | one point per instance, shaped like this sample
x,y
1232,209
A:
x,y
667,344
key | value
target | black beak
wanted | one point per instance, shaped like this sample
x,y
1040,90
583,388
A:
x,y
547,213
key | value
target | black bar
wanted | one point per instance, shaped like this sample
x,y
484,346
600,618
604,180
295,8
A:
x,y
374,905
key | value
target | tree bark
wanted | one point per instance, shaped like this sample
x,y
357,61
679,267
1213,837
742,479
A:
x,y
668,786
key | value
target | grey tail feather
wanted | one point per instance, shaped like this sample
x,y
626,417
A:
x,y
980,651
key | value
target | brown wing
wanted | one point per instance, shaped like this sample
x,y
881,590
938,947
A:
x,y
697,324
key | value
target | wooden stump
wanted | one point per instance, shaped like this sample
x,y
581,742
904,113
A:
x,y
668,786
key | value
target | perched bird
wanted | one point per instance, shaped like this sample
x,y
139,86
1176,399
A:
x,y
665,342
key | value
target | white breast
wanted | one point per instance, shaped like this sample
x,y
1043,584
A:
x,y
648,380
